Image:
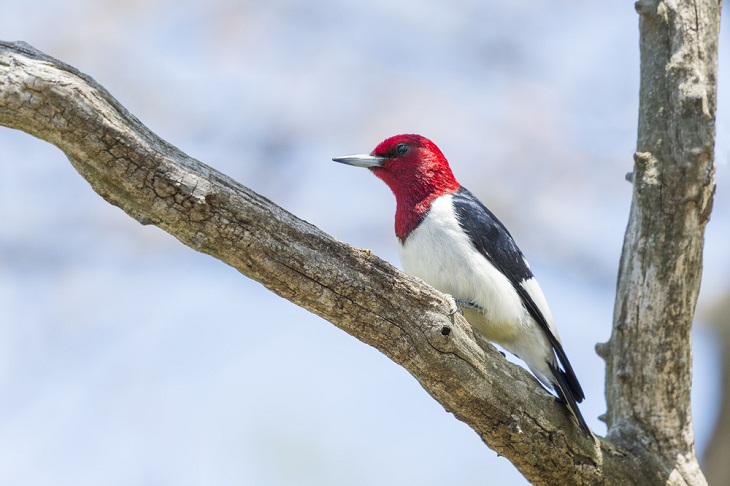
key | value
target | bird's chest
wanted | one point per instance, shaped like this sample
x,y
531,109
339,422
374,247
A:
x,y
441,254
434,254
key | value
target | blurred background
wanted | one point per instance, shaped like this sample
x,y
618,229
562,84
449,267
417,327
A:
x,y
127,358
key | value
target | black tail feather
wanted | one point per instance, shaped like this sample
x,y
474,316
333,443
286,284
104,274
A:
x,y
566,391
568,377
571,380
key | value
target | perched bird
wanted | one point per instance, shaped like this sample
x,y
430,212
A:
x,y
449,239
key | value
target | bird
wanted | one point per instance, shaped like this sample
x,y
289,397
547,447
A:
x,y
450,240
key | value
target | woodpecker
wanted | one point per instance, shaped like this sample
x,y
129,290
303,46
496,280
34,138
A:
x,y
449,239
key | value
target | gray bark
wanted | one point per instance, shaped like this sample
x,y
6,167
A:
x,y
408,321
649,357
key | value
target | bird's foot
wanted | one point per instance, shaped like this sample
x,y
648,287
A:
x,y
453,305
468,304
458,305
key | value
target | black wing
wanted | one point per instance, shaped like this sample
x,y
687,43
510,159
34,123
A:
x,y
491,239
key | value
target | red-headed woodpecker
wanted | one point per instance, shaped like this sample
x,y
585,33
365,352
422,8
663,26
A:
x,y
449,239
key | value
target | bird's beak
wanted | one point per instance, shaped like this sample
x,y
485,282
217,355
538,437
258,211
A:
x,y
361,160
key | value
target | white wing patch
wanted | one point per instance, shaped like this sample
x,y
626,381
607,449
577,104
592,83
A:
x,y
534,290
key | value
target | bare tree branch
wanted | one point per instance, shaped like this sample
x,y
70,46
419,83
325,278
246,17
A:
x,y
155,183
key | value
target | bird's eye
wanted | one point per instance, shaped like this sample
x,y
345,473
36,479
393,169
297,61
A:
x,y
402,149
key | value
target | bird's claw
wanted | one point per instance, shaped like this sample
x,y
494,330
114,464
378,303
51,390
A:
x,y
468,304
454,307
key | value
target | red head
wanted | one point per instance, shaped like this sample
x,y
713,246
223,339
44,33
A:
x,y
415,170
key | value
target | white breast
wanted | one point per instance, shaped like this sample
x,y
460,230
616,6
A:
x,y
441,254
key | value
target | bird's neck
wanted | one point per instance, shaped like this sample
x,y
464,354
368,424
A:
x,y
412,208
414,191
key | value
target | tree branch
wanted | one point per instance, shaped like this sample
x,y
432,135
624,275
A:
x,y
408,321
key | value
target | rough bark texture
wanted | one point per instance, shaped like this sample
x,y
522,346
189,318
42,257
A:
x,y
649,360
408,321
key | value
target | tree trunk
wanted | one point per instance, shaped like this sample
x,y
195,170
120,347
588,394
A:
x,y
155,183
649,356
